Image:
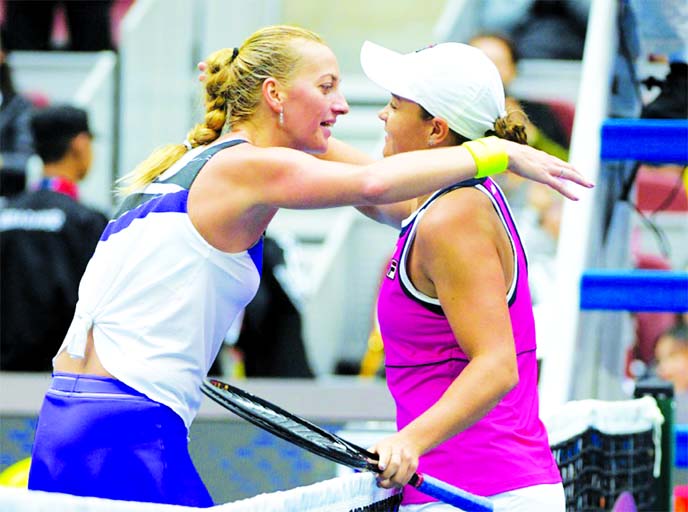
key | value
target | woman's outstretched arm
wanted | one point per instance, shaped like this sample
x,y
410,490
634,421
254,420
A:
x,y
524,161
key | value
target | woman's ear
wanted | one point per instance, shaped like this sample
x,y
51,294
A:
x,y
273,94
439,131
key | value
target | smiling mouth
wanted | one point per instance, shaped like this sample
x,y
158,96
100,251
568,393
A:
x,y
327,124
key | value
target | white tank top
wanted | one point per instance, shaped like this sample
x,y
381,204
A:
x,y
160,299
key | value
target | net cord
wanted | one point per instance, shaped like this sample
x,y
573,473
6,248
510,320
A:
x,y
335,495
609,417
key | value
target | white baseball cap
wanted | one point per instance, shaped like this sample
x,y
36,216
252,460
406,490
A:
x,y
453,81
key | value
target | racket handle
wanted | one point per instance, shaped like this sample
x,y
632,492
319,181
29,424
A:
x,y
447,493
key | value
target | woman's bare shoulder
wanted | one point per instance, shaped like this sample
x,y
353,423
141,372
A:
x,y
461,209
248,163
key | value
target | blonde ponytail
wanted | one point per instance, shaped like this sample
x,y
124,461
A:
x,y
152,167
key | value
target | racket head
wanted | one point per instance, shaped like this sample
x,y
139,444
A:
x,y
289,427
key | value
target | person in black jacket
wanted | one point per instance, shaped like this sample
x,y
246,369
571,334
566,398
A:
x,y
16,144
46,239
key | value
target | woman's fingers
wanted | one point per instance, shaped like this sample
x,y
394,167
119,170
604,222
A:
x,y
569,173
544,168
563,172
390,468
395,464
383,456
559,185
387,463
404,472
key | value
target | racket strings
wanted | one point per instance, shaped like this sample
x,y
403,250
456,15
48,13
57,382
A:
x,y
290,428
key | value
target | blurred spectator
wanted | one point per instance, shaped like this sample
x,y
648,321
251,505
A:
x,y
29,25
544,127
671,354
539,221
540,29
659,189
648,326
672,101
16,146
46,239
662,31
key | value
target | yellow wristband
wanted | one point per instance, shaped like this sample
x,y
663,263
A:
x,y
488,154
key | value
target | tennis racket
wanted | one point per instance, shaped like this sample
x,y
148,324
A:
x,y
305,434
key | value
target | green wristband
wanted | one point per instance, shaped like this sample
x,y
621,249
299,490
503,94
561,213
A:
x,y
488,154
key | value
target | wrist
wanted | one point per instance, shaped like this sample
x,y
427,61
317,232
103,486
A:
x,y
420,436
489,155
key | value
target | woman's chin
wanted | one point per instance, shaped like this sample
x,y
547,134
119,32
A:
x,y
320,144
315,149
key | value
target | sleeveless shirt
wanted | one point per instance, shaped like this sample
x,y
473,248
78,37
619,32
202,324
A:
x,y
508,448
159,297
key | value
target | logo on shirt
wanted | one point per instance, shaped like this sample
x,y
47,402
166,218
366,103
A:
x,y
32,220
392,270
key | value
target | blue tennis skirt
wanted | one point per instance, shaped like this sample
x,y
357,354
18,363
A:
x,y
99,437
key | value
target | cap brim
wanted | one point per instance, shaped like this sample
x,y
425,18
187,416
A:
x,y
385,68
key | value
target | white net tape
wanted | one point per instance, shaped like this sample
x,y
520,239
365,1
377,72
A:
x,y
358,490
617,417
336,495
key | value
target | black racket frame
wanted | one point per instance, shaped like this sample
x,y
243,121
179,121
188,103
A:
x,y
289,427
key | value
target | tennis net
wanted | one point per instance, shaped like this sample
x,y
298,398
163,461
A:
x,y
352,493
604,449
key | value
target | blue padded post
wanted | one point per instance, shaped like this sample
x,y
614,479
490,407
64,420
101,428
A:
x,y
634,290
647,140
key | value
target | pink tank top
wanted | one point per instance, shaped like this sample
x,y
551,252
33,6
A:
x,y
507,449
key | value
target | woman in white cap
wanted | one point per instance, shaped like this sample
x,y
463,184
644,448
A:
x,y
454,309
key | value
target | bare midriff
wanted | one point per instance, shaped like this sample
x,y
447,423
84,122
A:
x,y
88,365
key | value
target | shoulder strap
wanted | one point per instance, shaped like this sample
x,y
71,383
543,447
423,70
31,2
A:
x,y
182,179
186,176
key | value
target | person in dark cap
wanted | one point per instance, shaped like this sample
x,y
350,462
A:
x,y
46,239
